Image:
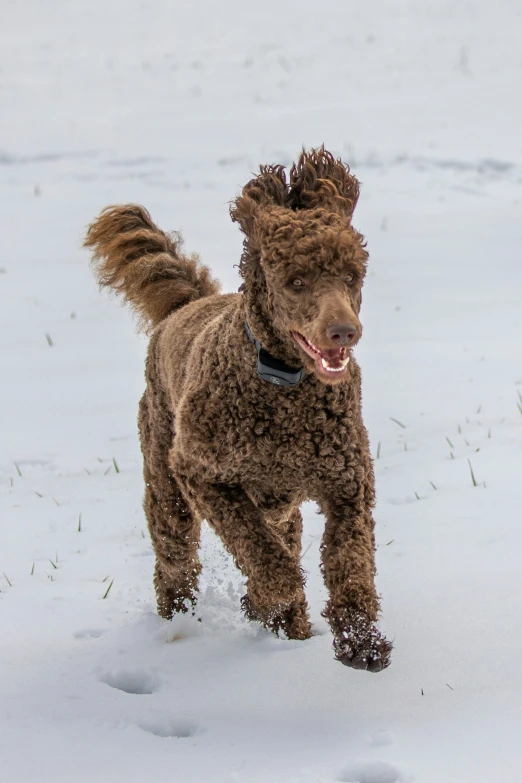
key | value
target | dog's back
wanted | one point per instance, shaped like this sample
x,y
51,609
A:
x,y
184,335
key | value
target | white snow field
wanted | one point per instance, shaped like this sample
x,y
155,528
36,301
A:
x,y
173,104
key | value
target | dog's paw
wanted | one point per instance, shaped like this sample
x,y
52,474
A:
x,y
266,615
363,646
173,602
289,619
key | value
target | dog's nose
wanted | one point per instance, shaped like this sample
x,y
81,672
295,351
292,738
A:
x,y
342,334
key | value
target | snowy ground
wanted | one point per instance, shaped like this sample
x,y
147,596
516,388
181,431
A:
x,y
173,104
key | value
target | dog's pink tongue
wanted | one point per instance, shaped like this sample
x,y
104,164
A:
x,y
332,353
333,356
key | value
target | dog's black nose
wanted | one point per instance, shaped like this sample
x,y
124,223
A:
x,y
342,334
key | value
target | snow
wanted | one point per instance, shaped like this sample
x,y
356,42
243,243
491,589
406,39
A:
x,y
173,105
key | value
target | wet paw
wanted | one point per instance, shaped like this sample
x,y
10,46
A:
x,y
363,646
173,603
266,615
291,619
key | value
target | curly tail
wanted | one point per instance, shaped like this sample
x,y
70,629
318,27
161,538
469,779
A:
x,y
144,264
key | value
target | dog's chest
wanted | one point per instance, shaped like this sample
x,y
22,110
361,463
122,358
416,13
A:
x,y
284,436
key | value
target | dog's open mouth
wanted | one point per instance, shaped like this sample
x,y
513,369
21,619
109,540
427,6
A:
x,y
329,362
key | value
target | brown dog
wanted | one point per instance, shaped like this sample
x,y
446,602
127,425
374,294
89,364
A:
x,y
252,402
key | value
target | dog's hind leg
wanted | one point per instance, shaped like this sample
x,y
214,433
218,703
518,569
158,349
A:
x,y
173,526
274,579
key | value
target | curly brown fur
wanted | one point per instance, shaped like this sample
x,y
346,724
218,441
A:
x,y
144,264
318,180
220,443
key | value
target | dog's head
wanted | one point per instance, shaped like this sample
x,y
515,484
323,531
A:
x,y
303,263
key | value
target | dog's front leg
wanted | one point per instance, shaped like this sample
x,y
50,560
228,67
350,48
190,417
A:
x,y
273,573
348,565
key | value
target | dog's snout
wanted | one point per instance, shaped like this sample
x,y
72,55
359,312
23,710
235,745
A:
x,y
341,333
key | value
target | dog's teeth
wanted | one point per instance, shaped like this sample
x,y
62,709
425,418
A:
x,y
327,367
342,359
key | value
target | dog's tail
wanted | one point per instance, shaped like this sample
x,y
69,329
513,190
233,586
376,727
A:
x,y
144,264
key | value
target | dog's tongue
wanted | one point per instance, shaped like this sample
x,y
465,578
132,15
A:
x,y
333,356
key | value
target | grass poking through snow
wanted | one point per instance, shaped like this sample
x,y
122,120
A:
x,y
474,480
108,590
398,422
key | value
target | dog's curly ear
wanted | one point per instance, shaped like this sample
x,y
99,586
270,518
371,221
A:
x,y
318,179
269,188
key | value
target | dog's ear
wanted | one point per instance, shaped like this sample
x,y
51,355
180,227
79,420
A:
x,y
269,188
318,179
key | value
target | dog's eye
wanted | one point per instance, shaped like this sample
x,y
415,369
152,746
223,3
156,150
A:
x,y
349,278
297,282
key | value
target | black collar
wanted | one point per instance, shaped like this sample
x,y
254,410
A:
x,y
274,370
